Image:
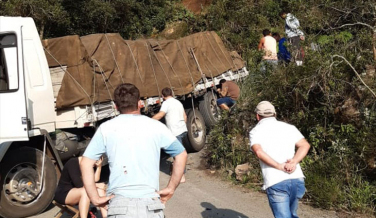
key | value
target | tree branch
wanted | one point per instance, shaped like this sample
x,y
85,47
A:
x,y
353,24
357,74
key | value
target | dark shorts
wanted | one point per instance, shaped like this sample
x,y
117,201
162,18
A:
x,y
226,100
61,193
181,136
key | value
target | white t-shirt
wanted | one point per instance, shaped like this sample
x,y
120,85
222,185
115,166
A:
x,y
277,139
174,116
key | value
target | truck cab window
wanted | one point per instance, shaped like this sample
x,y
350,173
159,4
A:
x,y
8,63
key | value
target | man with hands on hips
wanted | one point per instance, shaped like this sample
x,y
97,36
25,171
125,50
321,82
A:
x,y
132,143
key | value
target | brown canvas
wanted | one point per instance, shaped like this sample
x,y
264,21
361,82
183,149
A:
x,y
149,64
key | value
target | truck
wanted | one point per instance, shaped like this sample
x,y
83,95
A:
x,y
54,95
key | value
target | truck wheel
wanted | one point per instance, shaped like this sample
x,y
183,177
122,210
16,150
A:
x,y
196,136
209,109
20,191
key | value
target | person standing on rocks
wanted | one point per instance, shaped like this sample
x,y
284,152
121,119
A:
x,y
274,143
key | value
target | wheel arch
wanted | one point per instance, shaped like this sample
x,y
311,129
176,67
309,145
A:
x,y
36,142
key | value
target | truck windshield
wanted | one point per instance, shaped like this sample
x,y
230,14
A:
x,y
8,62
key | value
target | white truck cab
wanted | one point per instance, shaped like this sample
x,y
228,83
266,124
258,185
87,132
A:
x,y
25,85
26,112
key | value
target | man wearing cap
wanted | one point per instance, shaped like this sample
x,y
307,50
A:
x,y
274,143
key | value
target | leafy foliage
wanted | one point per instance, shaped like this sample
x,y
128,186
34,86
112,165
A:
x,y
324,98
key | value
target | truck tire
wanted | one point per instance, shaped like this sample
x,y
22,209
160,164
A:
x,y
209,109
196,136
20,194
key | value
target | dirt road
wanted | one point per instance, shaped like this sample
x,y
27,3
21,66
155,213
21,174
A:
x,y
207,196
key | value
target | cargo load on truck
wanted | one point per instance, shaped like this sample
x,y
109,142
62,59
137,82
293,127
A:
x,y
98,63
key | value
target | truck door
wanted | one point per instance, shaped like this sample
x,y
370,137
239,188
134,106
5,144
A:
x,y
13,115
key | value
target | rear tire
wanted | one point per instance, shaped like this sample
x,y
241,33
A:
x,y
20,193
209,109
196,135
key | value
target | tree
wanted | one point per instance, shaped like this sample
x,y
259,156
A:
x,y
44,12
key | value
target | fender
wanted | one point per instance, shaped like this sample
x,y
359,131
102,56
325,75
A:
x,y
51,151
4,148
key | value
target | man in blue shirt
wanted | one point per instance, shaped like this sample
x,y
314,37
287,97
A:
x,y
133,143
283,54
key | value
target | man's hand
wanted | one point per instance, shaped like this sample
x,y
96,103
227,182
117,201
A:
x,y
101,201
166,194
282,167
302,38
101,185
290,166
99,162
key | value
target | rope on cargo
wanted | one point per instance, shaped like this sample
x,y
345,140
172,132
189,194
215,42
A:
x,y
169,82
186,63
199,68
134,60
212,91
107,79
155,76
94,91
224,53
172,68
113,56
212,64
194,112
66,71
94,79
104,79
215,52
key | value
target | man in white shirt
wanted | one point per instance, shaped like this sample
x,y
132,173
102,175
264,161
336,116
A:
x,y
274,144
175,116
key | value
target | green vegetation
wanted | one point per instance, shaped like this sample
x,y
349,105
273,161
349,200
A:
x,y
327,98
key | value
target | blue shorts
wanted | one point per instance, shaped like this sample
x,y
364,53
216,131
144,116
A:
x,y
226,100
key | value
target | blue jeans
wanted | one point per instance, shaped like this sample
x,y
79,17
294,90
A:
x,y
284,197
268,64
181,136
226,100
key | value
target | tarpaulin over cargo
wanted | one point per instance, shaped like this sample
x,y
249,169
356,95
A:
x,y
76,84
149,64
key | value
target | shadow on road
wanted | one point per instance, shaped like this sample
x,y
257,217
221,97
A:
x,y
213,212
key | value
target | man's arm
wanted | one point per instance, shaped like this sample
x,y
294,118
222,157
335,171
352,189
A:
x,y
185,117
159,115
223,91
97,174
177,172
261,44
303,147
266,158
87,172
